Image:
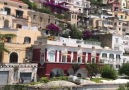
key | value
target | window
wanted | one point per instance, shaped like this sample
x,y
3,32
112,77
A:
x,y
72,16
13,57
111,56
63,58
115,15
93,60
5,3
79,59
117,56
119,23
117,66
19,14
121,16
18,26
104,55
52,56
119,29
27,40
8,39
20,6
8,10
123,4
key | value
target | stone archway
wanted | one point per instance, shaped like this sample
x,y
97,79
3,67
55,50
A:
x,y
70,71
82,72
56,72
13,57
6,24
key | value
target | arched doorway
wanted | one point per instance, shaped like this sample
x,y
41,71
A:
x,y
82,72
56,72
70,71
6,24
13,57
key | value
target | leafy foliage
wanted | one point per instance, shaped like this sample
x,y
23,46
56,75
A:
x,y
124,87
2,39
31,5
124,69
15,87
43,80
53,27
59,78
93,69
108,72
87,34
75,67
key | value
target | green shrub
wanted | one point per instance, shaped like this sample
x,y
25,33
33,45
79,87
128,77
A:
x,y
43,80
108,72
59,78
124,69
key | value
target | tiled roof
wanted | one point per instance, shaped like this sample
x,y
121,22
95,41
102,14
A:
x,y
19,1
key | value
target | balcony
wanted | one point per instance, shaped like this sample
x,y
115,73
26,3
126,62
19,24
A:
x,y
20,65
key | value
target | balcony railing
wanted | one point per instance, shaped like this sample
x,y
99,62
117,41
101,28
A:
x,y
20,65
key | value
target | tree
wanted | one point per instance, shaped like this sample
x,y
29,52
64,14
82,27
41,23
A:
x,y
74,32
93,69
75,67
108,72
124,69
2,40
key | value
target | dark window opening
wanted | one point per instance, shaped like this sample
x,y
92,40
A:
x,y
20,6
5,3
13,58
8,10
19,14
79,59
8,39
27,40
79,75
19,26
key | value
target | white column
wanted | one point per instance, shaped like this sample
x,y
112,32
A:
x,y
86,58
71,56
57,56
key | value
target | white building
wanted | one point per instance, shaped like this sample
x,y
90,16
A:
x,y
61,53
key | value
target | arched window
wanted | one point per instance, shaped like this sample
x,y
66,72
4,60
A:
x,y
111,56
104,55
6,24
27,40
63,58
52,56
13,57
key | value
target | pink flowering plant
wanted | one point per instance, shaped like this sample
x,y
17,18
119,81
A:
x,y
53,29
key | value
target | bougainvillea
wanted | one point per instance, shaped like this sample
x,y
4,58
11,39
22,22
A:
x,y
87,34
53,27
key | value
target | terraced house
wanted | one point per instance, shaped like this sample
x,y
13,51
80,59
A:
x,y
15,20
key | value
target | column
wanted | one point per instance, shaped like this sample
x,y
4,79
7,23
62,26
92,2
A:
x,y
71,56
46,54
57,56
86,58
